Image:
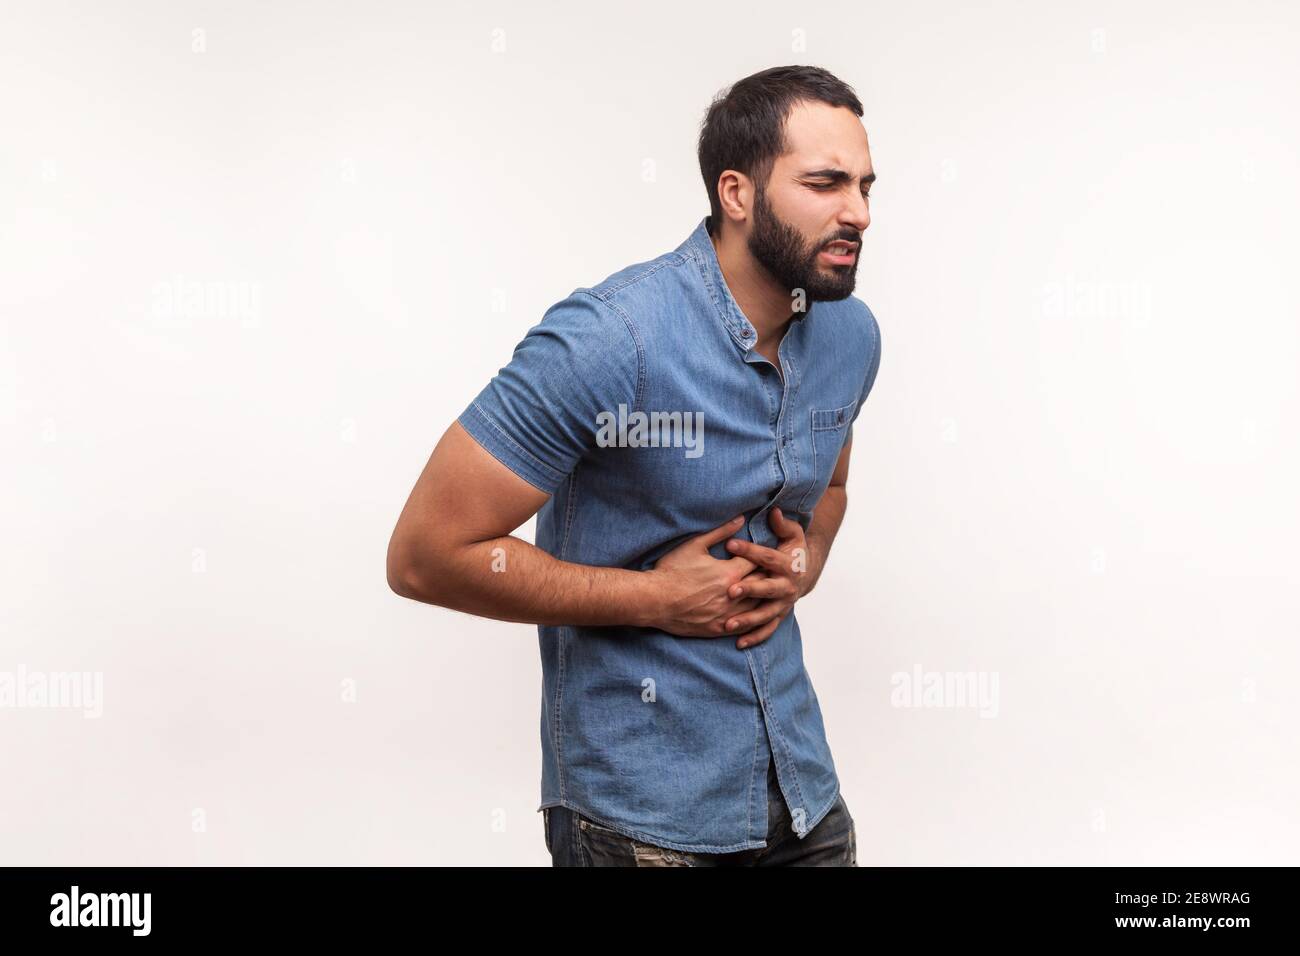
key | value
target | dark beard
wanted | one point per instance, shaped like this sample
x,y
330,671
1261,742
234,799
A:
x,y
781,250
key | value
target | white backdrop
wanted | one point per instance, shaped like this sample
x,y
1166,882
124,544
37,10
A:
x,y
256,258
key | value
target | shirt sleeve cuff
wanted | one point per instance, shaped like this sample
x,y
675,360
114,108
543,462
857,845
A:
x,y
487,432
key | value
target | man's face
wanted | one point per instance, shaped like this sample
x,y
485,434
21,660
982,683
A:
x,y
815,196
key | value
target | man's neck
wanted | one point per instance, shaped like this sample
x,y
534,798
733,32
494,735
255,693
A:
x,y
764,302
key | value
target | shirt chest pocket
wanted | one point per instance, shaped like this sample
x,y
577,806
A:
x,y
829,426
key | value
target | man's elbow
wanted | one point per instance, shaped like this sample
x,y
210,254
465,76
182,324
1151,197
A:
x,y
409,578
402,580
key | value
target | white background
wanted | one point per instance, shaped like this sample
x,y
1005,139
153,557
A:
x,y
1072,474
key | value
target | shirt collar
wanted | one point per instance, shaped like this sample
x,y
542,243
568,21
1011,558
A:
x,y
699,246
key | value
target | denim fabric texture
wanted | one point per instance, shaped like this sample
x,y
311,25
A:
x,y
663,739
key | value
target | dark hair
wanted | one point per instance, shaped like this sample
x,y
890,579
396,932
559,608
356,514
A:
x,y
744,128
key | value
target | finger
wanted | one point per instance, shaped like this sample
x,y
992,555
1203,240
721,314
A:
x,y
764,587
742,568
718,626
759,635
785,528
740,623
769,558
720,533
739,587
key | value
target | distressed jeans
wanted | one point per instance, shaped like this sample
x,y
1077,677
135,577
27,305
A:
x,y
573,840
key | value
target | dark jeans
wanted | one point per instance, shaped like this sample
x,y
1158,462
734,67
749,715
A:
x,y
573,840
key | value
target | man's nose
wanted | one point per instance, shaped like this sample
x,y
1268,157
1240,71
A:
x,y
858,214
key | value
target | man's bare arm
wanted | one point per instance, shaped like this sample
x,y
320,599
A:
x,y
827,516
453,547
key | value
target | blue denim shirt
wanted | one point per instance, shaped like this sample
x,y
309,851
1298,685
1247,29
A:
x,y
667,739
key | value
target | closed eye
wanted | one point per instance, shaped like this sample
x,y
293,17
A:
x,y
822,187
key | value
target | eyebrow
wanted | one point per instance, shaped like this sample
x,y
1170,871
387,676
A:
x,y
837,175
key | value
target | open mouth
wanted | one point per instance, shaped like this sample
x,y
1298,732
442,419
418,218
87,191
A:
x,y
840,252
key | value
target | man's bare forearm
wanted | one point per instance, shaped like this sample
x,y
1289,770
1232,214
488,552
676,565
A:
x,y
508,579
821,532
